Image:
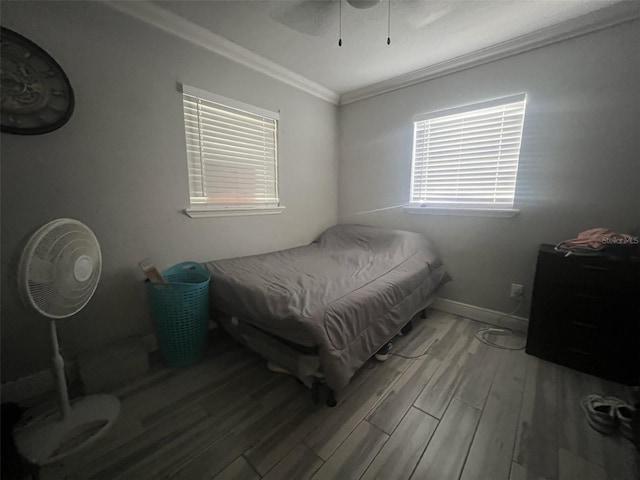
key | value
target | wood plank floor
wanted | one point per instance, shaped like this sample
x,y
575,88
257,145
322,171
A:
x,y
462,410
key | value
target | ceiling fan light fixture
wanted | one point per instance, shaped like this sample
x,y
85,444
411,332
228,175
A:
x,y
362,4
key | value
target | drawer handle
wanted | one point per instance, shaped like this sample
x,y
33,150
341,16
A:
x,y
595,267
582,324
581,352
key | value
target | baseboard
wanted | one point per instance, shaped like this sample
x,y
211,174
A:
x,y
42,382
27,387
484,315
150,342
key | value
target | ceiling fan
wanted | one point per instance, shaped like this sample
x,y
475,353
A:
x,y
318,17
314,17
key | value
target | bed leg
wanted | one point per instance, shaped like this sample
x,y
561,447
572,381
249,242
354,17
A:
x,y
331,398
320,392
315,391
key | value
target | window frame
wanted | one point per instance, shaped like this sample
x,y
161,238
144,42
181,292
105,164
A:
x,y
221,209
460,208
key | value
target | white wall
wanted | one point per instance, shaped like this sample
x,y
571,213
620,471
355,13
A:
x,y
120,166
579,164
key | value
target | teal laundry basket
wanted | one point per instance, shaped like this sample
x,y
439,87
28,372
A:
x,y
180,309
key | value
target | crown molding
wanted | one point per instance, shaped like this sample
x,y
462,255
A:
x,y
178,26
619,13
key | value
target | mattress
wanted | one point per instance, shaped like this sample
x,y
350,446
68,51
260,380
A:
x,y
347,293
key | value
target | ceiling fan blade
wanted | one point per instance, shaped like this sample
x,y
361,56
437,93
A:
x,y
420,14
310,17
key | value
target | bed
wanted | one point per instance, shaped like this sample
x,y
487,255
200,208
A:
x,y
322,310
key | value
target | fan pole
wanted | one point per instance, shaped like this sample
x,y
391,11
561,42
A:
x,y
58,372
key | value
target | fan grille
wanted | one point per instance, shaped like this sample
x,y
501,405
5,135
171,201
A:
x,y
60,268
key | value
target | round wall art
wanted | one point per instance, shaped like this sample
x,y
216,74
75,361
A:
x,y
36,96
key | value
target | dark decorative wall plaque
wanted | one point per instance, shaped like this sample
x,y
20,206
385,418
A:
x,y
36,96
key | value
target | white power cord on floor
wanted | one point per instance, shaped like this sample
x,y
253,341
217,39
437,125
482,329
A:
x,y
503,331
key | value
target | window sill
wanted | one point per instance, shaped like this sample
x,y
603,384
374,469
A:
x,y
464,212
202,212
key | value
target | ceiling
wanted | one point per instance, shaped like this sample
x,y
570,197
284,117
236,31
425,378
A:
x,y
302,35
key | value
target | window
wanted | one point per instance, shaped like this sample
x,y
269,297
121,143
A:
x,y
232,156
467,158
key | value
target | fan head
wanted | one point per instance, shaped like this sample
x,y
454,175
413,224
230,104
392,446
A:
x,y
60,268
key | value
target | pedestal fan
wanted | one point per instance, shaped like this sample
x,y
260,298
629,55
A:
x,y
58,274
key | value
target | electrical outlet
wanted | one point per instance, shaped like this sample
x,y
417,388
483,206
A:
x,y
517,290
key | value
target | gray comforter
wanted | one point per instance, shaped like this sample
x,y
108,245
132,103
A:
x,y
347,293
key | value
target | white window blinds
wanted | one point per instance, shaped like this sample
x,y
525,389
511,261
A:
x,y
468,157
232,152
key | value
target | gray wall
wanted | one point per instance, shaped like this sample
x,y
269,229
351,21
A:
x,y
120,166
579,164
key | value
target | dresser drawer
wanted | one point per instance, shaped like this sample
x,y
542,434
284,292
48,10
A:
x,y
582,335
596,272
586,305
580,359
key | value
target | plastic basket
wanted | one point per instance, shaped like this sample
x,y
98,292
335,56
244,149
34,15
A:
x,y
180,309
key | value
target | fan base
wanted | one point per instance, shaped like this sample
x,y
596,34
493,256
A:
x,y
49,438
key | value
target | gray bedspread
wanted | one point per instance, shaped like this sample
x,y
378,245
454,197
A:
x,y
347,293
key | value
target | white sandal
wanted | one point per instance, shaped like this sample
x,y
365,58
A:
x,y
600,412
623,413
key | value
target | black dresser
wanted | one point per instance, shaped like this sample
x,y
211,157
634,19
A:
x,y
585,312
